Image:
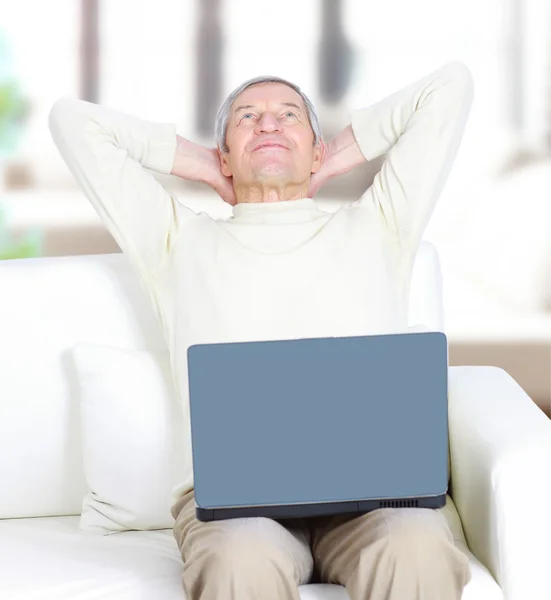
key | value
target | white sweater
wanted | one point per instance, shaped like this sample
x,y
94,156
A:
x,y
282,270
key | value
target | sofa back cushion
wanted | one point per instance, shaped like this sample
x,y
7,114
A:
x,y
48,305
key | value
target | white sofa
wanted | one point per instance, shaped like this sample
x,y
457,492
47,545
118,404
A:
x,y
500,445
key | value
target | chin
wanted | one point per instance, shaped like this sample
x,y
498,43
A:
x,y
274,170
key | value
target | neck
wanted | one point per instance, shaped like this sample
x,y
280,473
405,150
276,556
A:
x,y
264,192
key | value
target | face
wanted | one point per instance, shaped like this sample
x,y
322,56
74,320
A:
x,y
269,137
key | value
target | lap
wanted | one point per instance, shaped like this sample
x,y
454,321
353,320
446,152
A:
x,y
328,546
316,532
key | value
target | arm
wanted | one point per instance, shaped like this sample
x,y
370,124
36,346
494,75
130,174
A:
x,y
420,127
500,444
108,153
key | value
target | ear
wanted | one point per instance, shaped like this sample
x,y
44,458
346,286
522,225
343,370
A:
x,y
320,152
224,164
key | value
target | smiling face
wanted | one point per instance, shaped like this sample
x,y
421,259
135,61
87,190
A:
x,y
270,139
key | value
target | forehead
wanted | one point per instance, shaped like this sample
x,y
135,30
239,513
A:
x,y
267,93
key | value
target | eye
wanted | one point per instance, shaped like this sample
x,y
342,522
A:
x,y
247,115
290,112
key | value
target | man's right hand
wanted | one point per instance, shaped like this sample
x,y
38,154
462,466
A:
x,y
197,163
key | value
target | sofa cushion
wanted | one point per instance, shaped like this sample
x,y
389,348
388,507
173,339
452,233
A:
x,y
132,453
50,558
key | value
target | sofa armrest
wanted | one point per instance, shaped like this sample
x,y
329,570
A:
x,y
500,446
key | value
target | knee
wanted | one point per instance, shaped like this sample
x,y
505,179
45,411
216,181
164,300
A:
x,y
412,552
417,536
417,531
244,555
243,551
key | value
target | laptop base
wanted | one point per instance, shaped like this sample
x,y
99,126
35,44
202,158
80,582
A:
x,y
297,511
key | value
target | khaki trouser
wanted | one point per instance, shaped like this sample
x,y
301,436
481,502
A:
x,y
387,554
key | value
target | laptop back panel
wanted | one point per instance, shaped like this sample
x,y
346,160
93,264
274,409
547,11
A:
x,y
319,421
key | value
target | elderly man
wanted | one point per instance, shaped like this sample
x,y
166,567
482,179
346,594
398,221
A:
x,y
280,268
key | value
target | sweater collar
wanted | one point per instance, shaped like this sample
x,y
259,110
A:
x,y
246,209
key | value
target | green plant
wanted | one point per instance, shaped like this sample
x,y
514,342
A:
x,y
13,112
28,247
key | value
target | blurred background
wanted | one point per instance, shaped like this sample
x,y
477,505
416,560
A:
x,y
175,60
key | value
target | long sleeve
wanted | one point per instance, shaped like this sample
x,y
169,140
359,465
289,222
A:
x,y
108,152
420,127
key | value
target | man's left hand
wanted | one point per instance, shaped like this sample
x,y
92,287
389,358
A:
x,y
340,155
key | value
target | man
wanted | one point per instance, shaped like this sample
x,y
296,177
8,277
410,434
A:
x,y
282,268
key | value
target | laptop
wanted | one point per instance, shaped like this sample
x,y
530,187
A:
x,y
319,426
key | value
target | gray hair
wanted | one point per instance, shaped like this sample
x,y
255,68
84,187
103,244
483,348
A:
x,y
222,118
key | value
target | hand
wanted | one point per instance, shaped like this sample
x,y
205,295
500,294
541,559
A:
x,y
323,175
197,163
219,182
340,155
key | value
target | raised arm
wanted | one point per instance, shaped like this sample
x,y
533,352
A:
x,y
108,152
420,128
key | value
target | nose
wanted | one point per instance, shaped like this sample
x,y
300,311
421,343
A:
x,y
268,123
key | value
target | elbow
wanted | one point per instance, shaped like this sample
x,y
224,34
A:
x,y
59,112
458,69
461,75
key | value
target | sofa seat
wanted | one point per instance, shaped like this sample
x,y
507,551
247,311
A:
x,y
51,559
